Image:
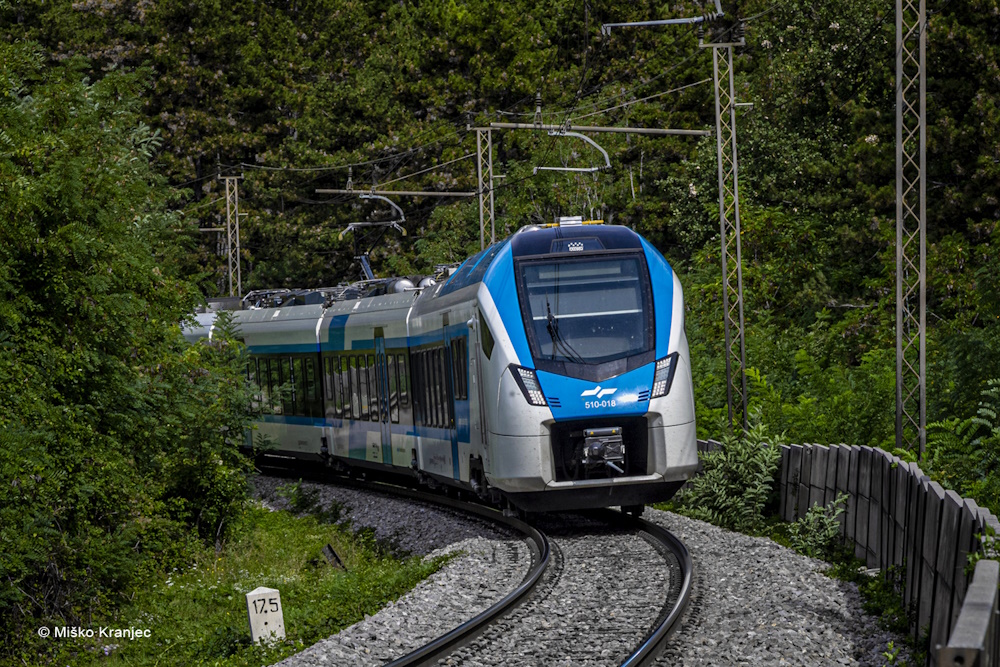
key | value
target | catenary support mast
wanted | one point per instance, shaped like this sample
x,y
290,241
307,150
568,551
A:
x,y
911,225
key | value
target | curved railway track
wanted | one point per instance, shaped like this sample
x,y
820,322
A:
x,y
613,592
603,588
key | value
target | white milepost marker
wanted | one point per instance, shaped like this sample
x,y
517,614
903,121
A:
x,y
267,622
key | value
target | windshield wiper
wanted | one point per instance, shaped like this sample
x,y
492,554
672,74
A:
x,y
552,326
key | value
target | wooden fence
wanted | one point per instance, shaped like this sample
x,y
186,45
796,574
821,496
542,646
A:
x,y
897,518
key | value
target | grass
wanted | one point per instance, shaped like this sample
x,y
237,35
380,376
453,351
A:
x,y
198,616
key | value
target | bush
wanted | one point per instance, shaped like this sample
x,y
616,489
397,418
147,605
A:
x,y
816,534
737,481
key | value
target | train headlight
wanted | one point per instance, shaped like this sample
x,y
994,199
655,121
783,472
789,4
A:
x,y
528,382
664,375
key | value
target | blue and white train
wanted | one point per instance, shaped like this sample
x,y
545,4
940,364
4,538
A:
x,y
550,371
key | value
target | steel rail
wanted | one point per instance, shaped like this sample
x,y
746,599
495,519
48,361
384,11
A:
x,y
444,645
447,643
646,653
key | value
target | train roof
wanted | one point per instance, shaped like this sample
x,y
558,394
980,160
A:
x,y
529,241
558,239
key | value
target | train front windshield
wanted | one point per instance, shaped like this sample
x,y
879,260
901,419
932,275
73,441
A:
x,y
587,310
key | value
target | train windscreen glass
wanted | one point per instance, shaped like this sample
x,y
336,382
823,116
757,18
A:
x,y
587,310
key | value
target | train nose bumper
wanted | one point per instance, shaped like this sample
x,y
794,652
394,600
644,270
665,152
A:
x,y
533,464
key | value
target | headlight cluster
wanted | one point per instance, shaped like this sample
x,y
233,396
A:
x,y
528,382
664,375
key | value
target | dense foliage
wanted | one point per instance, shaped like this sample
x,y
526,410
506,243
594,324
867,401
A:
x,y
116,437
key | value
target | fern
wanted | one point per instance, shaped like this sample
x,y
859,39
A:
x,y
962,454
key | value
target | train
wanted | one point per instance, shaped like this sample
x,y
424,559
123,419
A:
x,y
548,372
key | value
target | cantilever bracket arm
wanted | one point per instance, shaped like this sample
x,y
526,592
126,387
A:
x,y
706,18
590,141
387,223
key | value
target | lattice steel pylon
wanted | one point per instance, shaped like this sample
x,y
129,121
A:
x,y
233,234
484,172
729,225
911,225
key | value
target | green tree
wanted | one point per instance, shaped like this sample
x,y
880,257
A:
x,y
117,440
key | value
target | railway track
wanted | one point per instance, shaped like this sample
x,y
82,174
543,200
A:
x,y
613,591
603,588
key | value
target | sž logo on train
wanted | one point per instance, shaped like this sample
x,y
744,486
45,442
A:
x,y
599,394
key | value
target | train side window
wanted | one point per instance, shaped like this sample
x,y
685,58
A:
x,y
355,388
404,391
346,392
459,368
288,385
374,387
486,336
431,387
330,382
441,387
313,394
425,389
265,379
393,383
415,384
418,388
447,390
299,396
255,383
274,385
361,378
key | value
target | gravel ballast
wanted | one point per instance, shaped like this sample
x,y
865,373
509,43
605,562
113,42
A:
x,y
754,602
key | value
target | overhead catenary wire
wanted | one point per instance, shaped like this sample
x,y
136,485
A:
x,y
643,99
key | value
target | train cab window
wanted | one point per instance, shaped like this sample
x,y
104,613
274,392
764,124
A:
x,y
587,310
485,336
393,388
